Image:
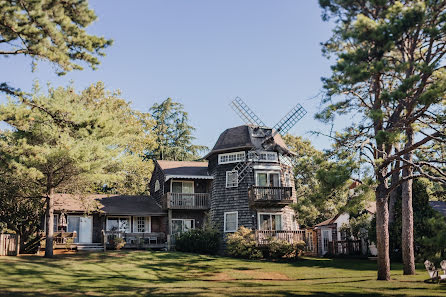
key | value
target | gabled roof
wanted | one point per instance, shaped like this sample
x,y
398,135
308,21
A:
x,y
184,169
246,137
108,204
439,206
330,221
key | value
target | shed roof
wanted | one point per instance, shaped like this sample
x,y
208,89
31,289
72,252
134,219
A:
x,y
328,222
439,206
108,204
246,137
184,168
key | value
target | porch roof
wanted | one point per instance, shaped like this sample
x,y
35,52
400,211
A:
x,y
108,204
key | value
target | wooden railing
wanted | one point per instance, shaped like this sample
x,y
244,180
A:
x,y
282,194
186,201
136,240
263,236
345,247
9,244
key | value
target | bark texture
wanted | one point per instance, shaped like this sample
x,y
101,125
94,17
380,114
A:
x,y
49,226
382,231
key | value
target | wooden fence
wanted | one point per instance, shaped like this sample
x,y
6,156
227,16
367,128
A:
x,y
9,244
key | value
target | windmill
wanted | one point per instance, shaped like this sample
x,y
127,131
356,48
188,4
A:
x,y
250,118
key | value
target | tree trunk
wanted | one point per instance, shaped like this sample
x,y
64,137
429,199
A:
x,y
407,213
394,194
49,226
382,231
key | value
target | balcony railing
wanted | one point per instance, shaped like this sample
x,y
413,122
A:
x,y
186,201
270,194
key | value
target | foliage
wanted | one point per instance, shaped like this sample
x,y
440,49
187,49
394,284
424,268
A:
x,y
173,133
117,243
322,182
202,241
278,249
389,76
53,31
242,244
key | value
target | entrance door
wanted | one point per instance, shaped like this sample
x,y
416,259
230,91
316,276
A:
x,y
326,238
82,226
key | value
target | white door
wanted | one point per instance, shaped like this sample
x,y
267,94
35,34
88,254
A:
x,y
326,238
85,230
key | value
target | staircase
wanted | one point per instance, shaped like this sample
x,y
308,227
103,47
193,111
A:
x,y
90,247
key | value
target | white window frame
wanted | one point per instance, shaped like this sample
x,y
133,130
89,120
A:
x,y
268,179
236,157
119,217
182,224
271,157
182,183
234,185
270,214
157,186
236,221
147,224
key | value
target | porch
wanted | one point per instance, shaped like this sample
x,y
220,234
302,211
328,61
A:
x,y
198,201
136,240
292,236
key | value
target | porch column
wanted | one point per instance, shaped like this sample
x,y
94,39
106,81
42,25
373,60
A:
x,y
169,227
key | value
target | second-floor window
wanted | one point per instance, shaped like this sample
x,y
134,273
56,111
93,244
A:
x,y
185,187
231,179
267,178
231,157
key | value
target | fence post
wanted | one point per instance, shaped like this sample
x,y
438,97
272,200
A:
x,y
17,244
1,244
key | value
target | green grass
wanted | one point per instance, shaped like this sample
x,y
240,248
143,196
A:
x,y
141,273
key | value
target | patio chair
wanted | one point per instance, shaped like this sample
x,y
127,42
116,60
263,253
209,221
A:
x,y
434,273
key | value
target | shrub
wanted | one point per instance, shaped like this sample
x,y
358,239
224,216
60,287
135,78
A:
x,y
202,241
277,249
242,244
117,243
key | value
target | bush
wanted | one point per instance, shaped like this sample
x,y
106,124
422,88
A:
x,y
242,244
117,243
202,241
277,249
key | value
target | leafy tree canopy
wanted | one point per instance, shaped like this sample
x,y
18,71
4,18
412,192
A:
x,y
52,31
173,133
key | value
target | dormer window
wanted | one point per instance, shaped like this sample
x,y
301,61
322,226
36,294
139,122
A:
x,y
231,158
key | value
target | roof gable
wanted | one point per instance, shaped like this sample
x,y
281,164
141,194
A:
x,y
184,168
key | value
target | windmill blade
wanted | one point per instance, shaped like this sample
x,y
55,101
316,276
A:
x,y
245,113
288,121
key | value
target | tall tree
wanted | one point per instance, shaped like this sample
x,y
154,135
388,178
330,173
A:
x,y
71,142
389,73
173,133
49,30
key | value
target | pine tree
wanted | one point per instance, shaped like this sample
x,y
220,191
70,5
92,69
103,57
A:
x,y
71,142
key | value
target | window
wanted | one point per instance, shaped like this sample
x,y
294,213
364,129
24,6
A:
x,y
310,241
182,225
56,222
121,224
265,156
141,224
231,221
157,185
287,180
185,187
270,221
267,179
231,157
231,179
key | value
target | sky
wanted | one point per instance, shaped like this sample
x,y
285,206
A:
x,y
203,54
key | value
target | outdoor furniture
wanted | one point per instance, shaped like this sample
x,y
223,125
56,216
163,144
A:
x,y
434,273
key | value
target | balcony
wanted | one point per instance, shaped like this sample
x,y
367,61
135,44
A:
x,y
270,195
186,201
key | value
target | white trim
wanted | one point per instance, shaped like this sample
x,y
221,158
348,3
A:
x,y
267,154
117,216
157,185
236,221
266,167
237,157
233,185
79,234
147,224
268,179
182,185
182,224
189,177
270,214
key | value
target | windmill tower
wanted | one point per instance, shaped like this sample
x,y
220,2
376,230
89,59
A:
x,y
253,180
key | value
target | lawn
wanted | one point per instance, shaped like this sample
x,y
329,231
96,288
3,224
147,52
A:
x,y
141,273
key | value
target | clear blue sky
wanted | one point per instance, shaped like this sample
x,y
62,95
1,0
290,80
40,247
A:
x,y
204,54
